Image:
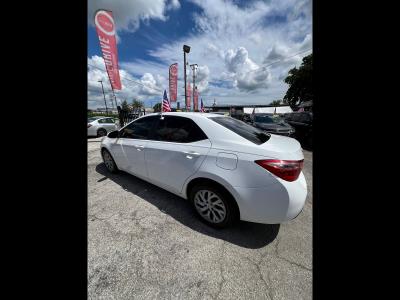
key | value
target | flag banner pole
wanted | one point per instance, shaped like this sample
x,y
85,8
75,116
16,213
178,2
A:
x,y
106,32
162,108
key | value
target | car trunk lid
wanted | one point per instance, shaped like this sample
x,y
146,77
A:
x,y
281,147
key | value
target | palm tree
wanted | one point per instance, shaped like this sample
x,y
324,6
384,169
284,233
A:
x,y
125,105
136,104
275,103
157,107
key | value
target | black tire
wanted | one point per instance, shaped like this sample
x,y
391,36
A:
x,y
101,132
231,215
109,161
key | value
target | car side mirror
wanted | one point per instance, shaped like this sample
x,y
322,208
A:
x,y
113,134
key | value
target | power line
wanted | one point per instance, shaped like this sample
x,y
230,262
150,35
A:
x,y
281,60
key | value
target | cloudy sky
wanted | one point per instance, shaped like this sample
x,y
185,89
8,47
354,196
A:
x,y
244,49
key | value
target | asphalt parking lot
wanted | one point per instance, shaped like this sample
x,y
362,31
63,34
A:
x,y
146,243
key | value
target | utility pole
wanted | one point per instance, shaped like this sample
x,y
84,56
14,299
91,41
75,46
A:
x,y
105,102
193,66
186,49
115,98
112,103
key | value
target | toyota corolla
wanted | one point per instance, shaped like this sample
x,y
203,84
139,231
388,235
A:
x,y
227,169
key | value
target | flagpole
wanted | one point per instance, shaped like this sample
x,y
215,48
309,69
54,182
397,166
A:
x,y
162,108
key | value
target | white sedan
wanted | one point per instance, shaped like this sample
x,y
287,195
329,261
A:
x,y
99,126
228,169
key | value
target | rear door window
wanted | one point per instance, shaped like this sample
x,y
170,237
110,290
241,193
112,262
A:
x,y
246,131
178,129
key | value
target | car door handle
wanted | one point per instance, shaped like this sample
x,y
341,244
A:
x,y
139,147
190,154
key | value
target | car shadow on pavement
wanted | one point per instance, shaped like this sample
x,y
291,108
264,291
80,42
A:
x,y
243,234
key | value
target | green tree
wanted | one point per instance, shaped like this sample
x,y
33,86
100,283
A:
x,y
275,103
125,105
136,104
157,107
300,83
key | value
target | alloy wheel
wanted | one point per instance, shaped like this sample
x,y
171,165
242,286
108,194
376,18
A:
x,y
108,161
102,132
210,206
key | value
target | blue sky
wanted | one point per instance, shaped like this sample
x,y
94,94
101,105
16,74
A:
x,y
232,42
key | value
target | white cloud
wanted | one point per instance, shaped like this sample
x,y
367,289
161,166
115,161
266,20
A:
x,y
231,44
236,43
128,14
151,85
174,4
202,74
246,74
147,88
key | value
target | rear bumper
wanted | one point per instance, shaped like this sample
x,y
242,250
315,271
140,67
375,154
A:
x,y
91,131
277,203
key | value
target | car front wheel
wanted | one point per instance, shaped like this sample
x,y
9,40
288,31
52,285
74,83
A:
x,y
109,161
101,132
214,205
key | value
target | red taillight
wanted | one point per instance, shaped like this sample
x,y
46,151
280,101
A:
x,y
288,170
88,125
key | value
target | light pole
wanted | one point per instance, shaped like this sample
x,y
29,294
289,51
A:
x,y
105,102
194,81
112,103
115,98
186,49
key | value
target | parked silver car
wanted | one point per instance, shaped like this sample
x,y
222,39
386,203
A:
x,y
100,126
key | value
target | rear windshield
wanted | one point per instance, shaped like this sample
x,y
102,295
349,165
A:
x,y
246,131
268,119
92,119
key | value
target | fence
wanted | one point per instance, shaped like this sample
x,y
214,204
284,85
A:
x,y
126,116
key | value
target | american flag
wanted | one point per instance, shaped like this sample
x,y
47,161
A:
x,y
202,105
165,103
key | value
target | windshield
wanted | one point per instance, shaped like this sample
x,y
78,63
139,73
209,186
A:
x,y
268,119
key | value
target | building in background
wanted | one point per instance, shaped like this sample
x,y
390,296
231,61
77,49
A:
x,y
102,110
268,110
240,111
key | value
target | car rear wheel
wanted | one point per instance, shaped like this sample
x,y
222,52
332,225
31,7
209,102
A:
x,y
213,205
109,161
101,132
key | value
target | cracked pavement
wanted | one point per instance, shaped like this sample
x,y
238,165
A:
x,y
146,243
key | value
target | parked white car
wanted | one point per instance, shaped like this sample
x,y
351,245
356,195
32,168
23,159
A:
x,y
99,126
228,169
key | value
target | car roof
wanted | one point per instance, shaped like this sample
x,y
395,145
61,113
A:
x,y
99,118
190,115
213,130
